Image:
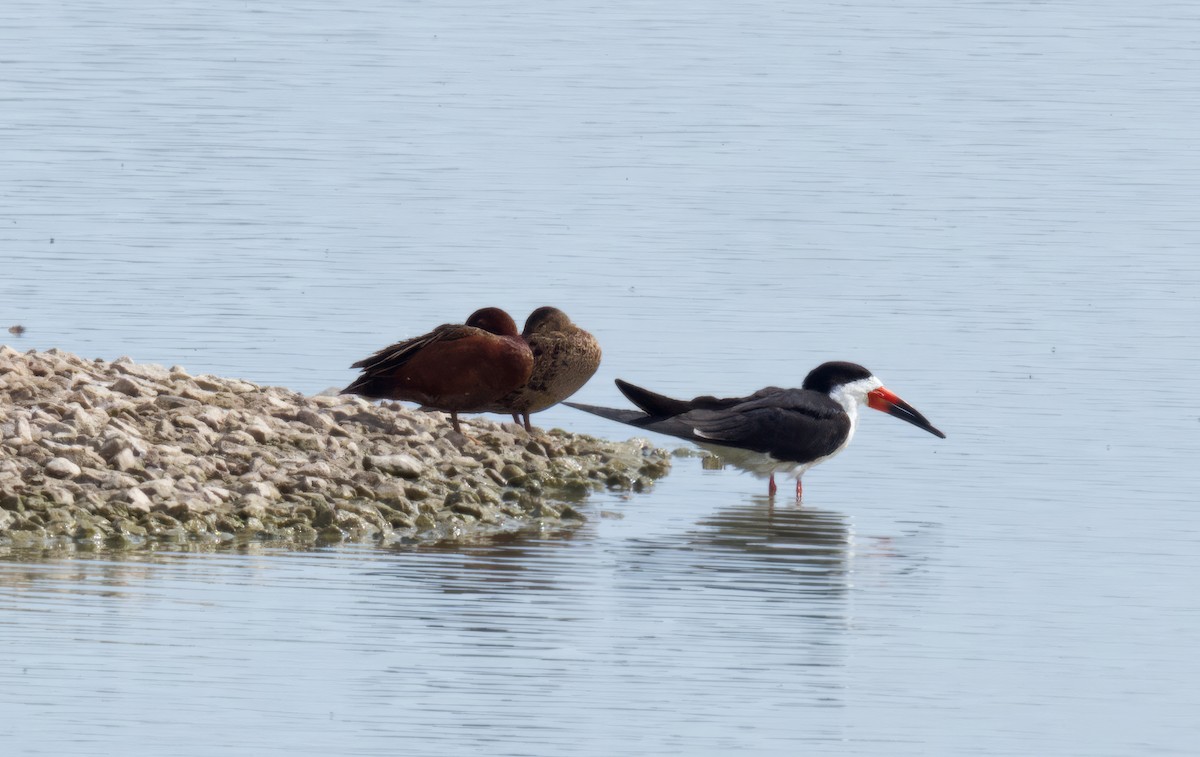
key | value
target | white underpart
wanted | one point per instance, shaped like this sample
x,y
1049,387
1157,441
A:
x,y
849,396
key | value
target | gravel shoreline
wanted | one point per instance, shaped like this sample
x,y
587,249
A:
x,y
122,454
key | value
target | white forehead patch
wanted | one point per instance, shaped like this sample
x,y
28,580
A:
x,y
853,394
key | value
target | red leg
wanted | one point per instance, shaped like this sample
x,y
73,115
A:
x,y
771,488
799,490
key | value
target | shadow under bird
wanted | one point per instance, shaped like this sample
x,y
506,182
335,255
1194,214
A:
x,y
456,368
564,358
773,430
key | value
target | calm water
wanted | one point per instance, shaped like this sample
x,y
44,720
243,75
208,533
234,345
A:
x,y
990,204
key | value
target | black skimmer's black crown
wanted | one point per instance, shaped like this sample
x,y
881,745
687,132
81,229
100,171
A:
x,y
773,430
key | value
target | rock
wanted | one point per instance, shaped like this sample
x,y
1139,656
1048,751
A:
x,y
86,423
404,466
138,500
117,480
331,397
260,432
214,417
253,506
60,496
159,488
128,527
148,371
306,442
468,508
216,494
61,467
353,523
237,438
394,494
128,386
199,396
313,484
194,424
317,469
238,386
208,383
172,401
112,445
24,434
94,394
319,421
263,489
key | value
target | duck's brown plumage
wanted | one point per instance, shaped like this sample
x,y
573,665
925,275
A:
x,y
564,358
455,368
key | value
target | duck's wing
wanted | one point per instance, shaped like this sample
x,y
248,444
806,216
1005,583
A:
x,y
395,355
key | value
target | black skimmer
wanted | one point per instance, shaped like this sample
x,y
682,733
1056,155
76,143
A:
x,y
773,430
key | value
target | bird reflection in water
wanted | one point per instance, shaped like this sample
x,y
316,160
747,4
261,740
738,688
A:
x,y
491,562
772,548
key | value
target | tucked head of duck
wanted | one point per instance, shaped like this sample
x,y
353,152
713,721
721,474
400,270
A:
x,y
546,319
494,320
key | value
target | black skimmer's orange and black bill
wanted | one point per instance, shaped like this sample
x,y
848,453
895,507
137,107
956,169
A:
x,y
773,430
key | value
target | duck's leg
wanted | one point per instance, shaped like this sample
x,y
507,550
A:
x,y
771,488
454,421
799,489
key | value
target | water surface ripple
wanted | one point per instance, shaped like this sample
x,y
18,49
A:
x,y
990,204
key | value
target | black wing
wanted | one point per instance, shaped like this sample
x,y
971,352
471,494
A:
x,y
660,405
799,431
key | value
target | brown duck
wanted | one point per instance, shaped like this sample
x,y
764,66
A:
x,y
564,358
455,368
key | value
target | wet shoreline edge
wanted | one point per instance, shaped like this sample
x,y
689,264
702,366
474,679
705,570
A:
x,y
121,454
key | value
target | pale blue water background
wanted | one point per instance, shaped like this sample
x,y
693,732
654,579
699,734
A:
x,y
991,204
